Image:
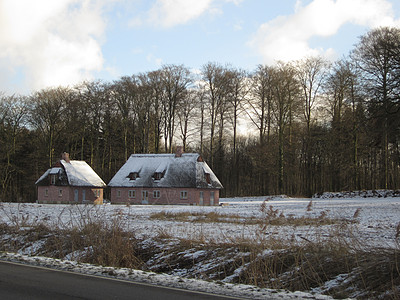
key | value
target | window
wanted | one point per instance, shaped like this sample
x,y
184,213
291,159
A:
x,y
96,193
46,192
156,194
145,197
131,194
158,175
118,193
133,175
208,177
60,192
201,198
53,179
184,194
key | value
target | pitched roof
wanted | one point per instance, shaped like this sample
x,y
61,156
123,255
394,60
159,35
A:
x,y
187,171
74,173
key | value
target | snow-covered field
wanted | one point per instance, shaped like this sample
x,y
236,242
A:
x,y
377,218
374,221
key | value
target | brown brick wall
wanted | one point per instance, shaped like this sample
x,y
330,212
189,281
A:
x,y
167,196
68,194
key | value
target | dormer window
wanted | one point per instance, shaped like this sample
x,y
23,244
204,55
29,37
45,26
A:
x,y
208,177
53,179
133,175
158,175
54,173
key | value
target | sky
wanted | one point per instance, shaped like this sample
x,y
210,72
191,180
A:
x,y
47,43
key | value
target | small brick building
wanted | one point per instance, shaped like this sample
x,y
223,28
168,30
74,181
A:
x,y
70,181
180,178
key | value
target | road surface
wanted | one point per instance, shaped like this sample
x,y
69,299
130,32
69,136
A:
x,y
18,281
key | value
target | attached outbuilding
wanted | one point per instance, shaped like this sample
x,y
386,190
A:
x,y
70,181
180,178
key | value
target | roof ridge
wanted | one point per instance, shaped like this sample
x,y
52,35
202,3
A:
x,y
161,154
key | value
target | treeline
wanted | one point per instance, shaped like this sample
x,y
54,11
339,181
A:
x,y
312,126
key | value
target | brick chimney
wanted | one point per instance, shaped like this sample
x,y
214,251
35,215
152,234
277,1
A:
x,y
65,156
179,151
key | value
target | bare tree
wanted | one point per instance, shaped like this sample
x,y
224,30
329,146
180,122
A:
x,y
239,88
216,90
152,82
46,115
94,95
186,114
311,73
13,113
286,89
260,102
175,80
376,57
124,92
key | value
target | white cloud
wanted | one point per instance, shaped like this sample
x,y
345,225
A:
x,y
168,13
287,37
236,2
154,60
54,42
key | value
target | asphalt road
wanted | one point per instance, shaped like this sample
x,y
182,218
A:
x,y
19,281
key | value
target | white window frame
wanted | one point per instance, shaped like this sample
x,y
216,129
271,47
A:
x,y
158,176
53,179
131,194
46,192
184,195
156,194
60,193
133,176
118,193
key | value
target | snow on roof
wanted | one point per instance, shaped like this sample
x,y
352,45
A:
x,y
54,171
45,174
185,171
79,173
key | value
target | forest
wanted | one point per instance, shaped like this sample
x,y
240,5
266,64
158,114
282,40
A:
x,y
295,128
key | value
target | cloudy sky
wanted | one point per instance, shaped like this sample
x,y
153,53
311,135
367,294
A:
x,y
47,43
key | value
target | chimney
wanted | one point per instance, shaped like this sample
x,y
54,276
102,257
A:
x,y
65,156
179,151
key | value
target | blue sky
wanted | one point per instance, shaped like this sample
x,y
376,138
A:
x,y
47,43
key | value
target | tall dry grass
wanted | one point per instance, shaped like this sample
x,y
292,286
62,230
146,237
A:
x,y
328,259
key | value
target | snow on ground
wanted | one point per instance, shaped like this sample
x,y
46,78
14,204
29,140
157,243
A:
x,y
377,220
233,290
377,217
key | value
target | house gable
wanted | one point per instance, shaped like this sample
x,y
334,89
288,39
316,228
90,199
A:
x,y
72,173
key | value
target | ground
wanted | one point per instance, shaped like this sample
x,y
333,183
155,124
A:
x,y
209,233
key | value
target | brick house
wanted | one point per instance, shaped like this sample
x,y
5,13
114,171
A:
x,y
180,178
70,181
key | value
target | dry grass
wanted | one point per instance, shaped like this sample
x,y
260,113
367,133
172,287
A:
x,y
97,243
269,216
199,217
311,262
